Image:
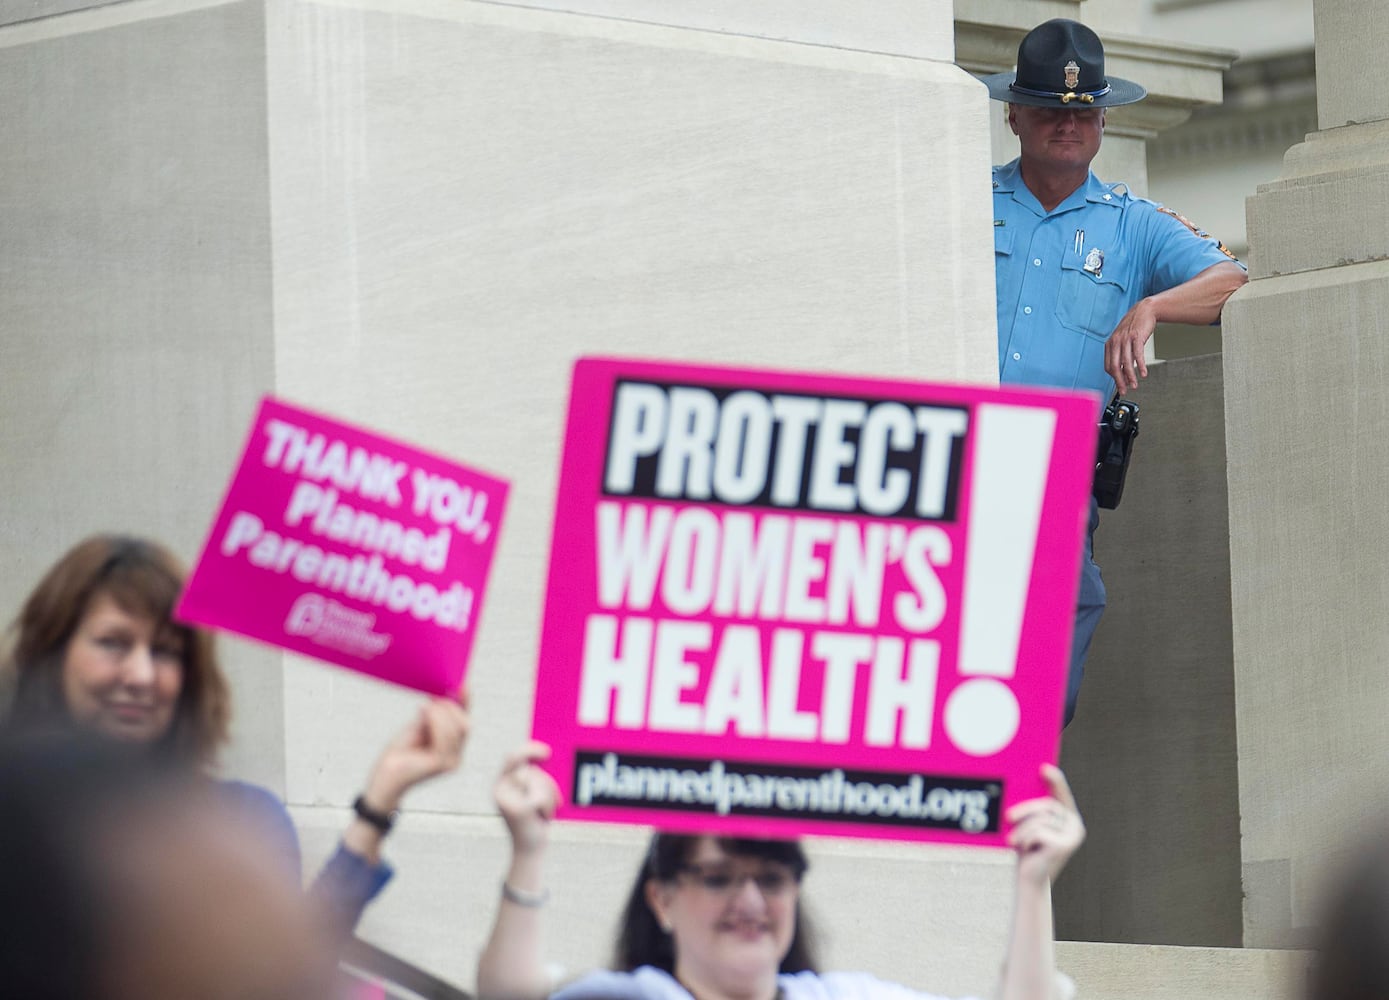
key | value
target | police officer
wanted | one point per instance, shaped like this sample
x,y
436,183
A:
x,y
1085,270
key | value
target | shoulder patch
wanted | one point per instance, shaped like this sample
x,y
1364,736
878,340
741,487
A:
x,y
1197,230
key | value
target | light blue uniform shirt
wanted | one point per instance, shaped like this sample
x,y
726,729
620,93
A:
x,y
1066,277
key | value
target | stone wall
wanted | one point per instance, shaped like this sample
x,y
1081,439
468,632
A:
x,y
1152,753
415,215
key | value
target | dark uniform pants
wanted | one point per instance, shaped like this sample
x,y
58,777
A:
x,y
1089,606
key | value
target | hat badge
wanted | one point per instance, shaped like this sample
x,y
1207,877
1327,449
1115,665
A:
x,y
1072,75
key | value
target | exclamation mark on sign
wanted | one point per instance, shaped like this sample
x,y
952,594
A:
x,y
1012,450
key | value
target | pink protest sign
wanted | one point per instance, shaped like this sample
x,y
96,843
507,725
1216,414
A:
x,y
785,604
344,545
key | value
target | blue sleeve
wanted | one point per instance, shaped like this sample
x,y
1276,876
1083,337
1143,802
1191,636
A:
x,y
268,815
347,882
1179,251
345,885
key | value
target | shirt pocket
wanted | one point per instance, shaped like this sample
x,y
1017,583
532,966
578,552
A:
x,y
1003,287
1092,304
1003,241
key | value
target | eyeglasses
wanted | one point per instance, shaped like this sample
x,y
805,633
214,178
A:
x,y
720,880
1053,115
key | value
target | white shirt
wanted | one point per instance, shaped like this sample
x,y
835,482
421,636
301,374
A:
x,y
649,983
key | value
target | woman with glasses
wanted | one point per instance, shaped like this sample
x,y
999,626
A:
x,y
715,918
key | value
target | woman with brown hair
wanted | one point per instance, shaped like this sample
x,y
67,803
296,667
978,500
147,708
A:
x,y
95,648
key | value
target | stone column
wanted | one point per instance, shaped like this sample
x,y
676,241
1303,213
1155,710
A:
x,y
416,214
136,300
1307,424
468,196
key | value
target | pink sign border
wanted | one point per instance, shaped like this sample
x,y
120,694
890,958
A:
x,y
1068,486
205,603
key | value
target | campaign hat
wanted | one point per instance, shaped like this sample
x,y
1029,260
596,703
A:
x,y
1061,65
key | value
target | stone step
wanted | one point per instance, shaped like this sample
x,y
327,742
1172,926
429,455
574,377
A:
x,y
1165,972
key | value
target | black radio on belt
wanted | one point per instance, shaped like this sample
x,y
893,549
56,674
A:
x,y
1118,428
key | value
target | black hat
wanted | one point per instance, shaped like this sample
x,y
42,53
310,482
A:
x,y
1061,64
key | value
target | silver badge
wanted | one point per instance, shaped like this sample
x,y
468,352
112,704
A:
x,y
1094,261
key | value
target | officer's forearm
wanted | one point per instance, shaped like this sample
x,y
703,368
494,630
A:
x,y
1199,300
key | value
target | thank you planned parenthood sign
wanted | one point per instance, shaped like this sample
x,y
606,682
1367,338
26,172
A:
x,y
784,603
345,545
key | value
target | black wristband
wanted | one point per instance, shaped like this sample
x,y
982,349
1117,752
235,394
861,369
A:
x,y
382,821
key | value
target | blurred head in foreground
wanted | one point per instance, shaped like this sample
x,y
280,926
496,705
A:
x,y
124,880
1352,956
95,647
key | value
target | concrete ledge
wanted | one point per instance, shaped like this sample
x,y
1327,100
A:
x,y
1155,972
